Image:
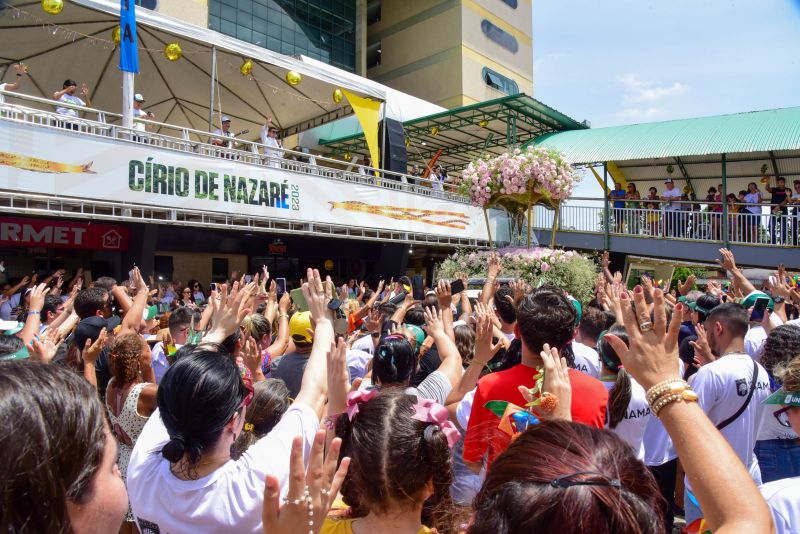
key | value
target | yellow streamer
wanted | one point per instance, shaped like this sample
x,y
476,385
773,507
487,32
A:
x,y
27,163
459,221
367,111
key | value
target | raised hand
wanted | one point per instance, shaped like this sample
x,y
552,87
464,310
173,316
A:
x,y
728,262
687,285
652,356
433,320
37,296
484,348
91,351
702,350
316,297
520,289
443,294
494,266
305,512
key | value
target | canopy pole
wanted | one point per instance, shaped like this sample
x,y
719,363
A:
x,y
725,230
127,99
606,224
213,85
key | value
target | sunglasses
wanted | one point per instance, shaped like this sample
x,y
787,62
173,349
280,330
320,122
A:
x,y
187,291
781,416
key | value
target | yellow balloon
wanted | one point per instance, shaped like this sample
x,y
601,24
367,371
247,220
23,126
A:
x,y
347,156
53,7
247,67
115,35
173,51
293,77
338,95
434,130
484,123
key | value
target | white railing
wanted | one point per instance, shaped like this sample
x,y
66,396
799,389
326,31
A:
x,y
693,221
104,124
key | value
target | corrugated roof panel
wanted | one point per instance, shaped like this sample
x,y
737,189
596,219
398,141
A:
x,y
776,129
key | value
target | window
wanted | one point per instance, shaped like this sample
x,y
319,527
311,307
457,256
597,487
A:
x,y
373,12
498,81
147,4
374,55
500,36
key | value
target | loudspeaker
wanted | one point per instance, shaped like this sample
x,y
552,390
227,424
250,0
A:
x,y
394,156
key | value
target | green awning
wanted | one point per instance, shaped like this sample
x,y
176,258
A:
x,y
739,133
467,132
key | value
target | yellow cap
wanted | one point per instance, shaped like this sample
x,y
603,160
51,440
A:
x,y
298,324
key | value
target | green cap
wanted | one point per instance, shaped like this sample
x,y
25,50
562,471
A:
x,y
787,398
578,308
418,333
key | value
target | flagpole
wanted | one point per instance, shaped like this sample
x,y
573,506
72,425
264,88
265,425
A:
x,y
127,99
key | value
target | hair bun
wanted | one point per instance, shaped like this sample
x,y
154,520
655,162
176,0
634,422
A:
x,y
429,432
174,449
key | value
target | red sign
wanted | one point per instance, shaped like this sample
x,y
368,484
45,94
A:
x,y
20,232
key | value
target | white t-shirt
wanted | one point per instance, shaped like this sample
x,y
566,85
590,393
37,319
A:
x,y
722,387
632,427
159,360
783,499
464,409
139,125
69,99
754,341
753,198
675,194
365,343
229,499
774,428
586,359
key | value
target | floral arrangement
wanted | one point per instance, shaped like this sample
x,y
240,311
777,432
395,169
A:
x,y
565,269
522,177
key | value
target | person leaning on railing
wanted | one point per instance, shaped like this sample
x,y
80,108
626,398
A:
x,y
67,95
781,196
795,201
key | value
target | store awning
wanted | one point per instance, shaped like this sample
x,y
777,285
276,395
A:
x,y
77,44
467,132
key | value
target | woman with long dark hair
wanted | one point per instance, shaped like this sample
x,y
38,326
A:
x,y
59,471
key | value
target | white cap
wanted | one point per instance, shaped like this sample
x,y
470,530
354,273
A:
x,y
225,118
138,97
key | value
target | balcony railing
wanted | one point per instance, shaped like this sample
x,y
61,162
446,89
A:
x,y
683,220
106,124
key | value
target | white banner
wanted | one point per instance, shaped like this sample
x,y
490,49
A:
x,y
69,164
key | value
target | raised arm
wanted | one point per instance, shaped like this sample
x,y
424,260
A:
x,y
448,352
445,297
22,283
278,346
314,387
493,271
484,351
133,316
34,316
728,262
709,461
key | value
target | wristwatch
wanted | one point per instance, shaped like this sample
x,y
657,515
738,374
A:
x,y
778,300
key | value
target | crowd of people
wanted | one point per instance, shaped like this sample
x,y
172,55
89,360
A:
x,y
354,409
679,213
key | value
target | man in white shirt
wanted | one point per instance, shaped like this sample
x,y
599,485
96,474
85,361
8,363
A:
x,y
21,71
67,95
671,208
139,113
179,322
225,131
731,390
269,138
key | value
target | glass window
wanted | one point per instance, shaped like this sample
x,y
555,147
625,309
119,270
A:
x,y
374,55
498,81
319,28
500,36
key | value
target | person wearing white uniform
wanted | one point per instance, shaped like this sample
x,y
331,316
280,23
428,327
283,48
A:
x,y
731,390
139,113
628,411
181,477
783,496
269,138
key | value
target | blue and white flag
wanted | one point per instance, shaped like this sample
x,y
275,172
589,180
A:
x,y
128,51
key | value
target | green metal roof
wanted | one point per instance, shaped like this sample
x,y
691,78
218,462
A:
x,y
465,132
755,131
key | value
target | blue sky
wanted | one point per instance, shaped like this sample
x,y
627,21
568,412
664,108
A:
x,y
628,61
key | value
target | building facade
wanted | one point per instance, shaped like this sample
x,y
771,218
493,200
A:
x,y
447,52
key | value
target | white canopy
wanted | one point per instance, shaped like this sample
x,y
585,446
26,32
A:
x,y
77,44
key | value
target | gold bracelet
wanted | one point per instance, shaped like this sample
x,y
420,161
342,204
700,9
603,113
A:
x,y
686,395
673,385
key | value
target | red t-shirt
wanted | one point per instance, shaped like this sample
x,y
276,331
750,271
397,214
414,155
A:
x,y
589,402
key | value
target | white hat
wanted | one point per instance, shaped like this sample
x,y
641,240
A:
x,y
225,118
138,97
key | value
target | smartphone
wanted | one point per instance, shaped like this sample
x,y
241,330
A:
x,y
280,283
758,310
248,278
213,286
456,286
299,299
399,298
